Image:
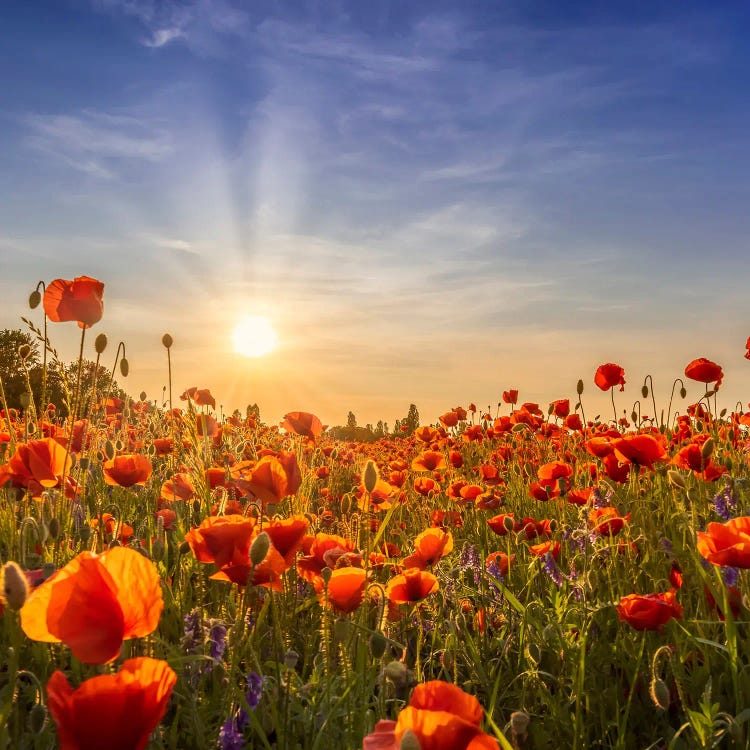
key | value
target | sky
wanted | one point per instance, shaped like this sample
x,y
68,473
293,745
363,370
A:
x,y
432,201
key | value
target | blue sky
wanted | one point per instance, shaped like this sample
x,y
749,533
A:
x,y
433,202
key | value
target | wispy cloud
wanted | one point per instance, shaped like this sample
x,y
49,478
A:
x,y
95,142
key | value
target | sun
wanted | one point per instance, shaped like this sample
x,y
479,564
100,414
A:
x,y
254,336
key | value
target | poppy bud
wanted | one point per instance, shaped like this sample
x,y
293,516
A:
x,y
259,548
109,450
291,657
100,343
54,528
395,671
326,574
659,693
34,299
124,367
633,417
683,392
378,644
15,586
31,429
579,387
142,396
23,351
25,399
723,412
83,462
676,479
508,523
157,550
409,741
167,341
707,449
519,724
644,391
518,427
37,718
370,475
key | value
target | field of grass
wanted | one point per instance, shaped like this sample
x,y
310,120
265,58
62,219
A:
x,y
507,578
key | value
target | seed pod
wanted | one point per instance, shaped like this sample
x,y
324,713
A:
x,y
683,392
15,586
100,343
23,351
109,450
519,725
707,449
142,396
676,479
25,399
157,550
124,367
396,672
291,657
644,391
83,462
34,299
167,341
579,387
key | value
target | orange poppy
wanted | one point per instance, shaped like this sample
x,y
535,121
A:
x,y
726,544
610,375
429,546
79,300
501,560
222,539
38,461
95,603
449,419
345,590
127,470
747,346
411,586
607,521
267,480
303,423
116,711
179,487
426,434
510,396
429,461
324,552
286,535
705,371
643,450
650,611
441,716
560,408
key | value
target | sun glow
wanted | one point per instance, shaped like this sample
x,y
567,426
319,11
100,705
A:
x,y
254,336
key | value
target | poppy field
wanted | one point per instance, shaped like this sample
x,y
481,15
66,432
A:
x,y
511,576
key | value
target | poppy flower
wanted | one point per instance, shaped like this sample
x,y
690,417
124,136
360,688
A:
x,y
747,346
642,450
37,461
607,521
116,711
411,586
429,547
610,375
324,551
560,408
705,371
286,535
345,590
449,419
127,470
95,603
179,487
222,539
500,560
573,422
649,611
267,480
510,396
726,544
303,423
441,716
79,300
546,548
429,461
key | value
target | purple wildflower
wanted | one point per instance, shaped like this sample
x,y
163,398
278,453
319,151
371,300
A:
x,y
230,736
730,575
724,503
551,569
217,638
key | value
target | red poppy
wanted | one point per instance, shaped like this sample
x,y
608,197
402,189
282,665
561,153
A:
x,y
322,551
607,521
127,470
411,586
610,375
649,611
726,544
345,590
441,716
643,450
116,711
303,423
510,396
747,346
79,300
429,547
560,408
95,603
179,487
39,461
429,461
705,371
